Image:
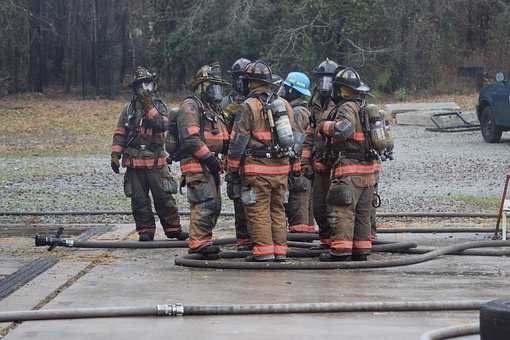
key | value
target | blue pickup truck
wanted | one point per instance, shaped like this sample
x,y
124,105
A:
x,y
493,109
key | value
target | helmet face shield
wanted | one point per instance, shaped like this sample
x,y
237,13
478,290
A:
x,y
214,93
325,86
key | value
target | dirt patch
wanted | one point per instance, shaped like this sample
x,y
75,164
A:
x,y
56,124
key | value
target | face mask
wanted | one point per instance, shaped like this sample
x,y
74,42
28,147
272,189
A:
x,y
325,85
288,93
239,85
146,87
214,93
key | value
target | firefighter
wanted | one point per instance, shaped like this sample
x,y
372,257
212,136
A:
x,y
296,90
230,104
260,150
317,156
354,173
203,139
139,140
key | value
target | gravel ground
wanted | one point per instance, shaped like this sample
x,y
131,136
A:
x,y
431,172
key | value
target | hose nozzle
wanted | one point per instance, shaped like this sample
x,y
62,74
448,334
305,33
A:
x,y
52,242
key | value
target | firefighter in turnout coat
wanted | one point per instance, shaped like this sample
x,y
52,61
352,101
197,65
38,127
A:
x,y
317,157
139,140
354,173
203,138
295,89
260,155
230,104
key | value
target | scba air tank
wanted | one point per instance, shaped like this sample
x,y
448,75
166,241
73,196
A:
x,y
282,123
377,130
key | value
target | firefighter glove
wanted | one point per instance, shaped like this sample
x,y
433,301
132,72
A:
x,y
115,162
212,164
307,170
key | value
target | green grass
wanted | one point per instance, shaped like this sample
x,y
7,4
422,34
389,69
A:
x,y
490,202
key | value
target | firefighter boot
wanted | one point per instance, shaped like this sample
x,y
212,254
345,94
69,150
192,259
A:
x,y
145,237
334,258
260,258
209,252
179,235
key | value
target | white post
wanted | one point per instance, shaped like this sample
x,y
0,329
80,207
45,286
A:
x,y
506,209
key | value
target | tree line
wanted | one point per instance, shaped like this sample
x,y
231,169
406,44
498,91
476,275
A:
x,y
92,46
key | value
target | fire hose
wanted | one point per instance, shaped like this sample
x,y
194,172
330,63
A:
x,y
177,309
41,241
295,238
195,261
451,332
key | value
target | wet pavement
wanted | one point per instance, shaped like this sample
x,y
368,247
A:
x,y
145,277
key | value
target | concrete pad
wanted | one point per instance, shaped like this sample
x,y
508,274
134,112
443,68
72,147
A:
x,y
143,277
10,264
35,291
28,296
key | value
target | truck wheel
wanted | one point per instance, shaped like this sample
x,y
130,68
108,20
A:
x,y
495,320
490,132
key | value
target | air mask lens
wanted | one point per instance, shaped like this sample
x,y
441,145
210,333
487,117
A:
x,y
239,85
148,86
325,84
215,92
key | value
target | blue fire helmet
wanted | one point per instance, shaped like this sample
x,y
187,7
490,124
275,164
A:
x,y
299,82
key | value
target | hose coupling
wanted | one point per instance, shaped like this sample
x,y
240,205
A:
x,y
176,309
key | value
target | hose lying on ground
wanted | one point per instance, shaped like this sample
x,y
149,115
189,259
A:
x,y
451,332
411,230
468,252
41,241
384,247
439,230
60,242
195,261
180,310
397,247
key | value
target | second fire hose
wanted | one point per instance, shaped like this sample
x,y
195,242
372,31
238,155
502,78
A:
x,y
166,310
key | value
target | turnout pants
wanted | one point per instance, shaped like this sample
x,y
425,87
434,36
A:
x,y
204,197
263,198
348,212
299,209
320,187
242,235
137,185
373,223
